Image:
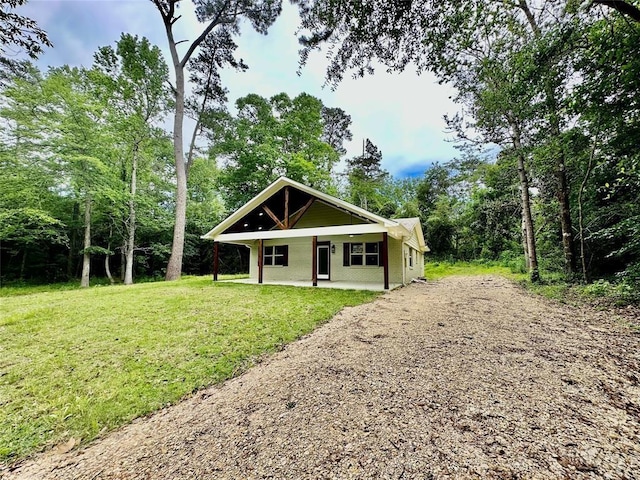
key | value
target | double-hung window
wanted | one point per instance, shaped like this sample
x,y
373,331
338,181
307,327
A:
x,y
365,254
276,255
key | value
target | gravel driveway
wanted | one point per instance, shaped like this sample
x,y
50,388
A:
x,y
467,377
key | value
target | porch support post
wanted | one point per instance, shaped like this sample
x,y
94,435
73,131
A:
x,y
216,262
260,260
286,208
385,259
314,261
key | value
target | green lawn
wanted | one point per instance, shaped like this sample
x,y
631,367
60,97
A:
x,y
601,293
75,363
436,270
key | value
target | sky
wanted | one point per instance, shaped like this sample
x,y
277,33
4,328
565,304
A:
x,y
401,113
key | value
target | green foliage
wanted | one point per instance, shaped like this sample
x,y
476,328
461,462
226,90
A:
x,y
73,371
270,138
553,84
366,179
68,144
29,226
608,105
205,206
557,91
20,31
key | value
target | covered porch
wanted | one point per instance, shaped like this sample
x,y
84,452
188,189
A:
x,y
300,236
340,285
322,257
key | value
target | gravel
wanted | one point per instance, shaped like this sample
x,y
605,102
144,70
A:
x,y
467,377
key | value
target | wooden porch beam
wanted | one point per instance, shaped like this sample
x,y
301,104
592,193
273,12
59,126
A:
x,y
301,212
385,259
260,259
286,208
314,261
216,262
274,218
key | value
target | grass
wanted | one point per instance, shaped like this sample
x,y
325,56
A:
x,y
76,363
15,288
553,285
436,270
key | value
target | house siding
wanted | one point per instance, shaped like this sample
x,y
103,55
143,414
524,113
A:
x,y
322,215
417,270
413,240
300,261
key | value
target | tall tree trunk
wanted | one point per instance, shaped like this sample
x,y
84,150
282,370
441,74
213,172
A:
x,y
524,243
562,185
131,223
174,268
565,216
527,218
23,263
86,256
107,268
583,261
123,260
71,259
167,10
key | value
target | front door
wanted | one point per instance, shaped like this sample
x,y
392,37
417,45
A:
x,y
324,258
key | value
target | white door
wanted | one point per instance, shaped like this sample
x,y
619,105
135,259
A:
x,y
324,258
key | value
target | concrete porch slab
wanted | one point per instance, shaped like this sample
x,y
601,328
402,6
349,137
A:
x,y
372,286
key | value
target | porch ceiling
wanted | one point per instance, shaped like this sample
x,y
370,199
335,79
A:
x,y
259,220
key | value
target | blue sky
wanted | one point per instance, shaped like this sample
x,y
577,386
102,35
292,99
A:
x,y
400,113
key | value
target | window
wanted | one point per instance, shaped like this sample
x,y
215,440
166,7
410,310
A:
x,y
371,253
356,254
410,257
276,255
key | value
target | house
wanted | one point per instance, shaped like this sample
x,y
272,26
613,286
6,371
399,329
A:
x,y
297,234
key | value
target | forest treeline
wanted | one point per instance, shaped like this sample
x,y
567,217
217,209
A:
x,y
547,181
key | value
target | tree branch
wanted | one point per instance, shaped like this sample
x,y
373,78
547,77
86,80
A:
x,y
215,21
626,9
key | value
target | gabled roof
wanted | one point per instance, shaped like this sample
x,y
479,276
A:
x,y
412,224
397,228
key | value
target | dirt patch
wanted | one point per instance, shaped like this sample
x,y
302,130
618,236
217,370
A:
x,y
461,378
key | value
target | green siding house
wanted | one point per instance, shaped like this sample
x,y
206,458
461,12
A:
x,y
299,235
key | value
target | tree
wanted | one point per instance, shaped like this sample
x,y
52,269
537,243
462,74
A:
x,y
336,128
625,8
27,228
438,209
399,196
607,105
83,145
133,77
366,177
58,122
274,137
66,151
461,42
436,181
20,31
205,208
219,16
